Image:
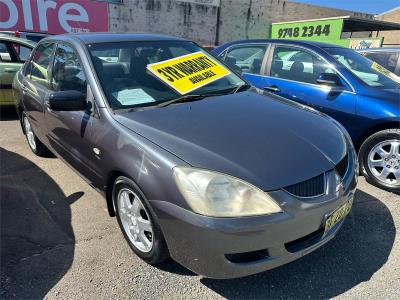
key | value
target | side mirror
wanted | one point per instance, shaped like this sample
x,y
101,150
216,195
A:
x,y
330,79
67,101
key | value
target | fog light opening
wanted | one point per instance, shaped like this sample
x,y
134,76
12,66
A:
x,y
247,257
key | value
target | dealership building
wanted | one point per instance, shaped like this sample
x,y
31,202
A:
x,y
209,22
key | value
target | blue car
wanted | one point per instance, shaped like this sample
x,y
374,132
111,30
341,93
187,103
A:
x,y
361,95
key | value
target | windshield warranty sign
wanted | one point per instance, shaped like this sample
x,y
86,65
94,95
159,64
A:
x,y
188,72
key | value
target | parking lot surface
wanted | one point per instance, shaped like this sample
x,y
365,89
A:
x,y
58,242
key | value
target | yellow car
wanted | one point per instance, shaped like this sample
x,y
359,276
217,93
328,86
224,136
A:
x,y
13,53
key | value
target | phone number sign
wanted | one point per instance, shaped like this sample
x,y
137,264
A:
x,y
311,30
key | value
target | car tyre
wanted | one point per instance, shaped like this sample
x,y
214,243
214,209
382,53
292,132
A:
x,y
36,146
379,158
138,222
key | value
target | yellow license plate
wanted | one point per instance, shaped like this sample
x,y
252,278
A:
x,y
337,215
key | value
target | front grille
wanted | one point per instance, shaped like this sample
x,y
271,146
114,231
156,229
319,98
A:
x,y
310,188
342,166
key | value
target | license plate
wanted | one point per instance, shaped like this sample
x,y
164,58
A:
x,y
337,215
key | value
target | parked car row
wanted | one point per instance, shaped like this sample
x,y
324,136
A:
x,y
195,163
15,48
361,95
26,35
13,53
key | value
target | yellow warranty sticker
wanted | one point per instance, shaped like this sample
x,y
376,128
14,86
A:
x,y
387,73
188,72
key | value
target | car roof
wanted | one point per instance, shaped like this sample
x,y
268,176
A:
x,y
9,38
384,49
105,37
291,42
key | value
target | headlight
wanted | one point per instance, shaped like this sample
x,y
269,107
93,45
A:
x,y
218,195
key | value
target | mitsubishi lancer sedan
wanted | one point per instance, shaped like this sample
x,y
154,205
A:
x,y
195,164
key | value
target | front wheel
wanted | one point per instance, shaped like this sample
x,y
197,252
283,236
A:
x,y
379,158
138,223
34,143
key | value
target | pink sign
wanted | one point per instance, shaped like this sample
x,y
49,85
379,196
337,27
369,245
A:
x,y
53,16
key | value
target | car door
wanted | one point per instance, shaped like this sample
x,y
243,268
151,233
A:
x,y
12,57
248,59
35,88
292,72
70,132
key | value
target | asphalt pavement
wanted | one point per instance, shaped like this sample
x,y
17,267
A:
x,y
58,242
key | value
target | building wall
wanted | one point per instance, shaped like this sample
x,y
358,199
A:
x,y
244,19
390,37
193,21
238,19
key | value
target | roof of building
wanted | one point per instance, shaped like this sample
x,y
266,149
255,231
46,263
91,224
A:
x,y
388,11
357,24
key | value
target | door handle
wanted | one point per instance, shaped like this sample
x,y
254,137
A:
x,y
9,70
272,88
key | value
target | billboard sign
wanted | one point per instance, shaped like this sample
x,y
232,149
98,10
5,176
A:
x,y
318,30
365,43
53,16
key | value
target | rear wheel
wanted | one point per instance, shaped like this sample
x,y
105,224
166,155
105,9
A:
x,y
34,143
380,159
138,223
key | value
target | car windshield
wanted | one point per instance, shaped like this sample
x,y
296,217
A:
x,y
369,72
122,69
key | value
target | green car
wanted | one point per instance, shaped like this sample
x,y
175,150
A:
x,y
13,53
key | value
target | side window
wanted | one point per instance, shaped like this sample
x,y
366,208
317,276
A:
x,y
247,57
22,52
38,68
297,64
67,72
386,60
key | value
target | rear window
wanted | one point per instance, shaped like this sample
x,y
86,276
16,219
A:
x,y
366,70
387,60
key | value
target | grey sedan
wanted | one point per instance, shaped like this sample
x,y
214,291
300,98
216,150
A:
x,y
195,164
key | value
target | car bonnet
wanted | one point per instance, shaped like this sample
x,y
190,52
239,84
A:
x,y
268,142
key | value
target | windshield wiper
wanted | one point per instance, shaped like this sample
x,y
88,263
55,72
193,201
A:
x,y
194,97
242,87
184,98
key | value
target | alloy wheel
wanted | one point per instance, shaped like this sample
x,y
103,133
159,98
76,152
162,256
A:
x,y
29,133
135,220
384,162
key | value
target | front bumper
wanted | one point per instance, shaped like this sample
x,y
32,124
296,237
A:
x,y
235,247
